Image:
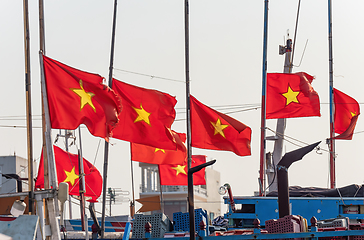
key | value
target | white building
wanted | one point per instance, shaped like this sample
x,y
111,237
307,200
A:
x,y
175,197
12,165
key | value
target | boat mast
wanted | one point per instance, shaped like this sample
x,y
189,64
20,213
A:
x,y
82,188
190,199
264,90
29,108
50,173
281,122
106,154
331,141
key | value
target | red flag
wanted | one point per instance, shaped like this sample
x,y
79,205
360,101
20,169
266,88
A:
x,y
347,111
152,155
291,95
176,175
147,116
68,171
76,97
211,129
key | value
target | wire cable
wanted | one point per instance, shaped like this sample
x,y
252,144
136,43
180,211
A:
x,y
150,76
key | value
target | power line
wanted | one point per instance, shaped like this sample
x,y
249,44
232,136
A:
x,y
150,76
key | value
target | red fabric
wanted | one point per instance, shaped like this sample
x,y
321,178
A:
x,y
65,162
304,103
234,135
347,111
65,106
152,155
170,176
156,132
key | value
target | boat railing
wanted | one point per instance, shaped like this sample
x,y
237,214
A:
x,y
197,189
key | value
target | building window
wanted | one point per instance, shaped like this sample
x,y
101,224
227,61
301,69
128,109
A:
x,y
22,172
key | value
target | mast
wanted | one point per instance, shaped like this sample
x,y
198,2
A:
x,y
50,173
281,122
132,203
331,141
67,135
264,89
81,185
44,148
191,209
29,108
106,154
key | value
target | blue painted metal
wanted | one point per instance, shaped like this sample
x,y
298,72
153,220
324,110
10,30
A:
x,y
266,208
308,235
127,231
77,225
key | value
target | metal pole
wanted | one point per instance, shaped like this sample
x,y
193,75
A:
x,y
132,204
187,66
52,203
264,90
106,154
29,104
188,117
332,110
82,182
110,201
66,134
50,156
41,27
161,192
281,122
44,147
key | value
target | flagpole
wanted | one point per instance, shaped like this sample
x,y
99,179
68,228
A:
x,y
263,118
52,203
29,108
44,146
161,193
82,182
132,204
331,96
190,198
106,154
66,133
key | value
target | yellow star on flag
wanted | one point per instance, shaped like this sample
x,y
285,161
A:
x,y
219,128
159,149
71,176
291,96
353,114
142,115
85,96
180,169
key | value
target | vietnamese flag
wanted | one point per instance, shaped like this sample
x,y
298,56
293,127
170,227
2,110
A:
x,y
211,129
176,175
68,171
147,116
76,97
291,95
153,155
347,111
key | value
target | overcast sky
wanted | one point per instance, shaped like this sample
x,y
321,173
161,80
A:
x,y
226,49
